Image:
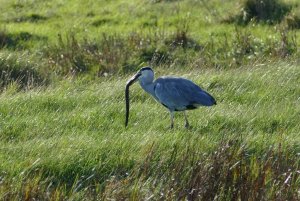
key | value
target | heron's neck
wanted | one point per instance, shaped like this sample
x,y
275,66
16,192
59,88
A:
x,y
148,87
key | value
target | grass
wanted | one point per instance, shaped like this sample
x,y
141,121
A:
x,y
71,137
63,67
87,38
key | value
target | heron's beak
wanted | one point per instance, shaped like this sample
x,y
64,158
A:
x,y
133,79
129,82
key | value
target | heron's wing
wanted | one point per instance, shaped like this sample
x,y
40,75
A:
x,y
180,94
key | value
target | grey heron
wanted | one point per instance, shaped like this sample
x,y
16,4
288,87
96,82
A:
x,y
175,93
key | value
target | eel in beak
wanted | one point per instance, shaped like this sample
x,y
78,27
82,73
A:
x,y
128,84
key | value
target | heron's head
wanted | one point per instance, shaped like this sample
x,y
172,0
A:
x,y
145,75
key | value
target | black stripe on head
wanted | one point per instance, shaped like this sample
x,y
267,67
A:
x,y
146,68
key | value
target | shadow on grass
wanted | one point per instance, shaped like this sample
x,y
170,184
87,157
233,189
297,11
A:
x,y
18,40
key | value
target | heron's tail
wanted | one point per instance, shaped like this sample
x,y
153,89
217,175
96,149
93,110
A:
x,y
206,99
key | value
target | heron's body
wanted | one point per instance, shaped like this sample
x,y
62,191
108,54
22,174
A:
x,y
175,93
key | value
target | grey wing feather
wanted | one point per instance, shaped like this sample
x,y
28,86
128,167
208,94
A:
x,y
180,94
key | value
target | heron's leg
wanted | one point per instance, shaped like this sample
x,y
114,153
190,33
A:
x,y
187,125
172,119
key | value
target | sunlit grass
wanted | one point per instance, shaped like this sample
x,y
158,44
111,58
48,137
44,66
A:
x,y
62,109
75,129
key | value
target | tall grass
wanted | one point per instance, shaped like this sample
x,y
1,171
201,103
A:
x,y
119,53
173,43
268,11
69,142
21,69
229,173
63,136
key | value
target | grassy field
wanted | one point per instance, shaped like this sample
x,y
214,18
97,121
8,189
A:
x,y
63,69
70,139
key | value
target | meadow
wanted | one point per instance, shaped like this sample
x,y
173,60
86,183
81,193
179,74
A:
x,y
63,69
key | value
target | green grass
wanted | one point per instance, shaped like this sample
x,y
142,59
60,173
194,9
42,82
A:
x,y
47,19
74,130
63,67
116,37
